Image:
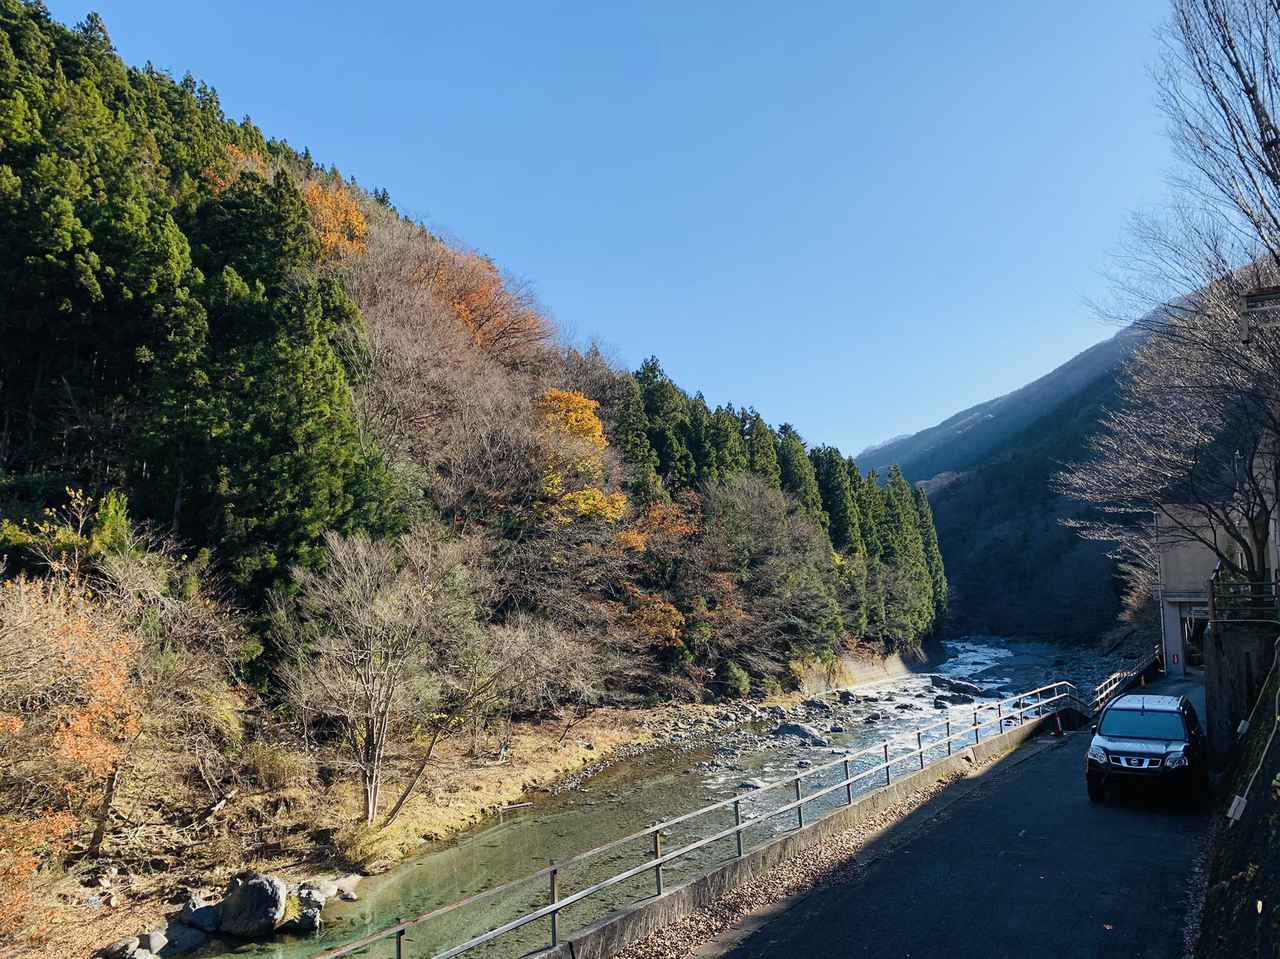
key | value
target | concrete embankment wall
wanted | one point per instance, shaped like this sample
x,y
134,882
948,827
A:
x,y
858,669
626,926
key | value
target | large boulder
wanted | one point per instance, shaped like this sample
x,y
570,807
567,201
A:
x,y
955,685
253,905
806,734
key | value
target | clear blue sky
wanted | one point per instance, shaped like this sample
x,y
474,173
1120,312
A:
x,y
858,217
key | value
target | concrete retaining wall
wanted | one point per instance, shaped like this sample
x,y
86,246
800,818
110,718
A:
x,y
619,929
855,669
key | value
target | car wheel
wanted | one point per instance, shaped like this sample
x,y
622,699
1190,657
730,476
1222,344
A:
x,y
1096,791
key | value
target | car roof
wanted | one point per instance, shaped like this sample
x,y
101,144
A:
x,y
1155,704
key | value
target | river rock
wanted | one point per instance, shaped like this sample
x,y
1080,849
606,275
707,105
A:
x,y
872,719
120,949
955,685
847,698
199,914
818,703
328,888
153,941
304,910
181,938
751,784
955,699
906,706
253,906
806,734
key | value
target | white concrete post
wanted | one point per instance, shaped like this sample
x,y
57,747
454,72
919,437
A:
x,y
1175,660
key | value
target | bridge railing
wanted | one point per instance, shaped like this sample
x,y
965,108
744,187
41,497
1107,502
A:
x,y
948,734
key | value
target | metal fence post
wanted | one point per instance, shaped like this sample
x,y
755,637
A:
x,y
555,897
848,785
737,819
886,762
976,738
948,735
799,808
920,748
1000,718
657,854
399,940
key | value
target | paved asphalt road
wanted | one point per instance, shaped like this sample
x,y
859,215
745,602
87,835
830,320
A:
x,y
1013,863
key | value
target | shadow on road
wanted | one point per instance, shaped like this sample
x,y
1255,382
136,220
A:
x,y
1014,861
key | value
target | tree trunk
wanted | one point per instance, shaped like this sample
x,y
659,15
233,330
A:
x,y
417,777
104,813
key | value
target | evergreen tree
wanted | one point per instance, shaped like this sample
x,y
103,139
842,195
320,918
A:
x,y
698,440
837,499
630,435
909,605
932,554
726,441
762,449
798,477
870,502
667,409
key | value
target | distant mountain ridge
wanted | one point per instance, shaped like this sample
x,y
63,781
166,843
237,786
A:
x,y
1014,568
967,438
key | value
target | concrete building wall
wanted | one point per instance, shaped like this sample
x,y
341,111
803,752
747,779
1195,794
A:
x,y
1185,566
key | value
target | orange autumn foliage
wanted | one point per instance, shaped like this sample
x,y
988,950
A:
x,y
500,317
655,619
661,521
237,162
338,222
24,844
68,712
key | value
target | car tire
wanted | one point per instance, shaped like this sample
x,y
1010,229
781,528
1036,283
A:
x,y
1097,793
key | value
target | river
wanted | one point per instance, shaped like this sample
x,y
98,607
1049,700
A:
x,y
635,793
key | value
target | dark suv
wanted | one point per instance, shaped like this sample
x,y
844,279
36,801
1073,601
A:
x,y
1152,739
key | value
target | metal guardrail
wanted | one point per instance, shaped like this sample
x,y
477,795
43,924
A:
x,y
1118,682
1012,711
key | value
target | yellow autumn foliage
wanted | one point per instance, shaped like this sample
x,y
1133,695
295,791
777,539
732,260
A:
x,y
337,220
575,473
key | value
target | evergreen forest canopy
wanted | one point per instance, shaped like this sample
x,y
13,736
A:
x,y
256,427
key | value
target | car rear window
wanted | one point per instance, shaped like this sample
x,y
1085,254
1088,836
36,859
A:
x,y
1142,724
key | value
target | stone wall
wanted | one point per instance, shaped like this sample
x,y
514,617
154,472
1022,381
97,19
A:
x,y
1236,662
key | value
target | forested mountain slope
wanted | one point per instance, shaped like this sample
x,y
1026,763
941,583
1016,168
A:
x,y
292,489
1014,568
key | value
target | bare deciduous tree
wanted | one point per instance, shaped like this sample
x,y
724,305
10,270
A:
x,y
368,641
